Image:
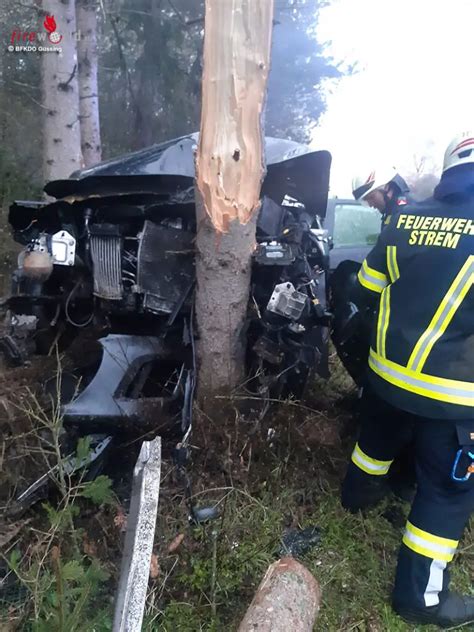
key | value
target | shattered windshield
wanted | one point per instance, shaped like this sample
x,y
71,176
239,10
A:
x,y
355,225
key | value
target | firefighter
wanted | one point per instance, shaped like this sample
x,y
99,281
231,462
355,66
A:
x,y
383,189
420,384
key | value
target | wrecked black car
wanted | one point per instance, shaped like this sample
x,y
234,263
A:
x,y
111,253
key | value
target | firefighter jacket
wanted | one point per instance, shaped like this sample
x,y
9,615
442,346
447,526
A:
x,y
422,269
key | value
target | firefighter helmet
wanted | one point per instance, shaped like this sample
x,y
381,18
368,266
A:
x,y
369,181
460,151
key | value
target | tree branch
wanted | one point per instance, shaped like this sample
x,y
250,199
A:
x,y
180,17
19,83
64,86
123,61
34,101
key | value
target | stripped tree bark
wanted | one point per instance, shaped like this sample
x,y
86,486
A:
x,y
288,598
229,173
87,53
61,128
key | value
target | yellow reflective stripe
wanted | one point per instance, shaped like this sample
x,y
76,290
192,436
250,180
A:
x,y
383,320
429,545
369,465
431,379
380,321
373,272
443,316
421,550
435,539
387,319
441,389
392,265
368,284
372,279
384,309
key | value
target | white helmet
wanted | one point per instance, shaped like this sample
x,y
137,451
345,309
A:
x,y
460,151
364,184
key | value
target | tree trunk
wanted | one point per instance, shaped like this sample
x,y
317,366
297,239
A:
x,y
61,128
288,598
229,173
86,11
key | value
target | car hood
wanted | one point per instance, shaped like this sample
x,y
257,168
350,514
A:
x,y
168,168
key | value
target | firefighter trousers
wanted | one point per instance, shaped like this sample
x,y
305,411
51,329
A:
x,y
442,506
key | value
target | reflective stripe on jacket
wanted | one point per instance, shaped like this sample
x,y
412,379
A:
x,y
422,351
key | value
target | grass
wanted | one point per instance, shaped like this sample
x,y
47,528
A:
x,y
50,580
66,558
292,483
354,563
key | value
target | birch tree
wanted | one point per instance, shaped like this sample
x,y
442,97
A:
x,y
60,92
87,53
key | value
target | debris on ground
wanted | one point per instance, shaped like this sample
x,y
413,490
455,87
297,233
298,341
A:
x,y
297,542
176,543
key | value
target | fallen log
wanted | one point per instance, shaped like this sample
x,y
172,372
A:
x,y
288,598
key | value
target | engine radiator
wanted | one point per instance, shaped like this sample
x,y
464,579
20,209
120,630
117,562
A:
x,y
165,266
107,263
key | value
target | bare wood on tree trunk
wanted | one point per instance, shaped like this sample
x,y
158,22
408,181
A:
x,y
288,598
87,52
60,95
229,173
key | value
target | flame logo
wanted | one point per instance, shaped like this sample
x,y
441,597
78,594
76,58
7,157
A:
x,y
50,23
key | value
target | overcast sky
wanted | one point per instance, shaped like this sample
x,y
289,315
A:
x,y
414,88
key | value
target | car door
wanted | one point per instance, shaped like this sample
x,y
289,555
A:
x,y
353,228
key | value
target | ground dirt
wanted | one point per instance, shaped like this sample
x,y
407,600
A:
x,y
266,479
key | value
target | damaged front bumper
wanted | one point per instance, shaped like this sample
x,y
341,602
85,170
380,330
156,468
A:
x,y
112,402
